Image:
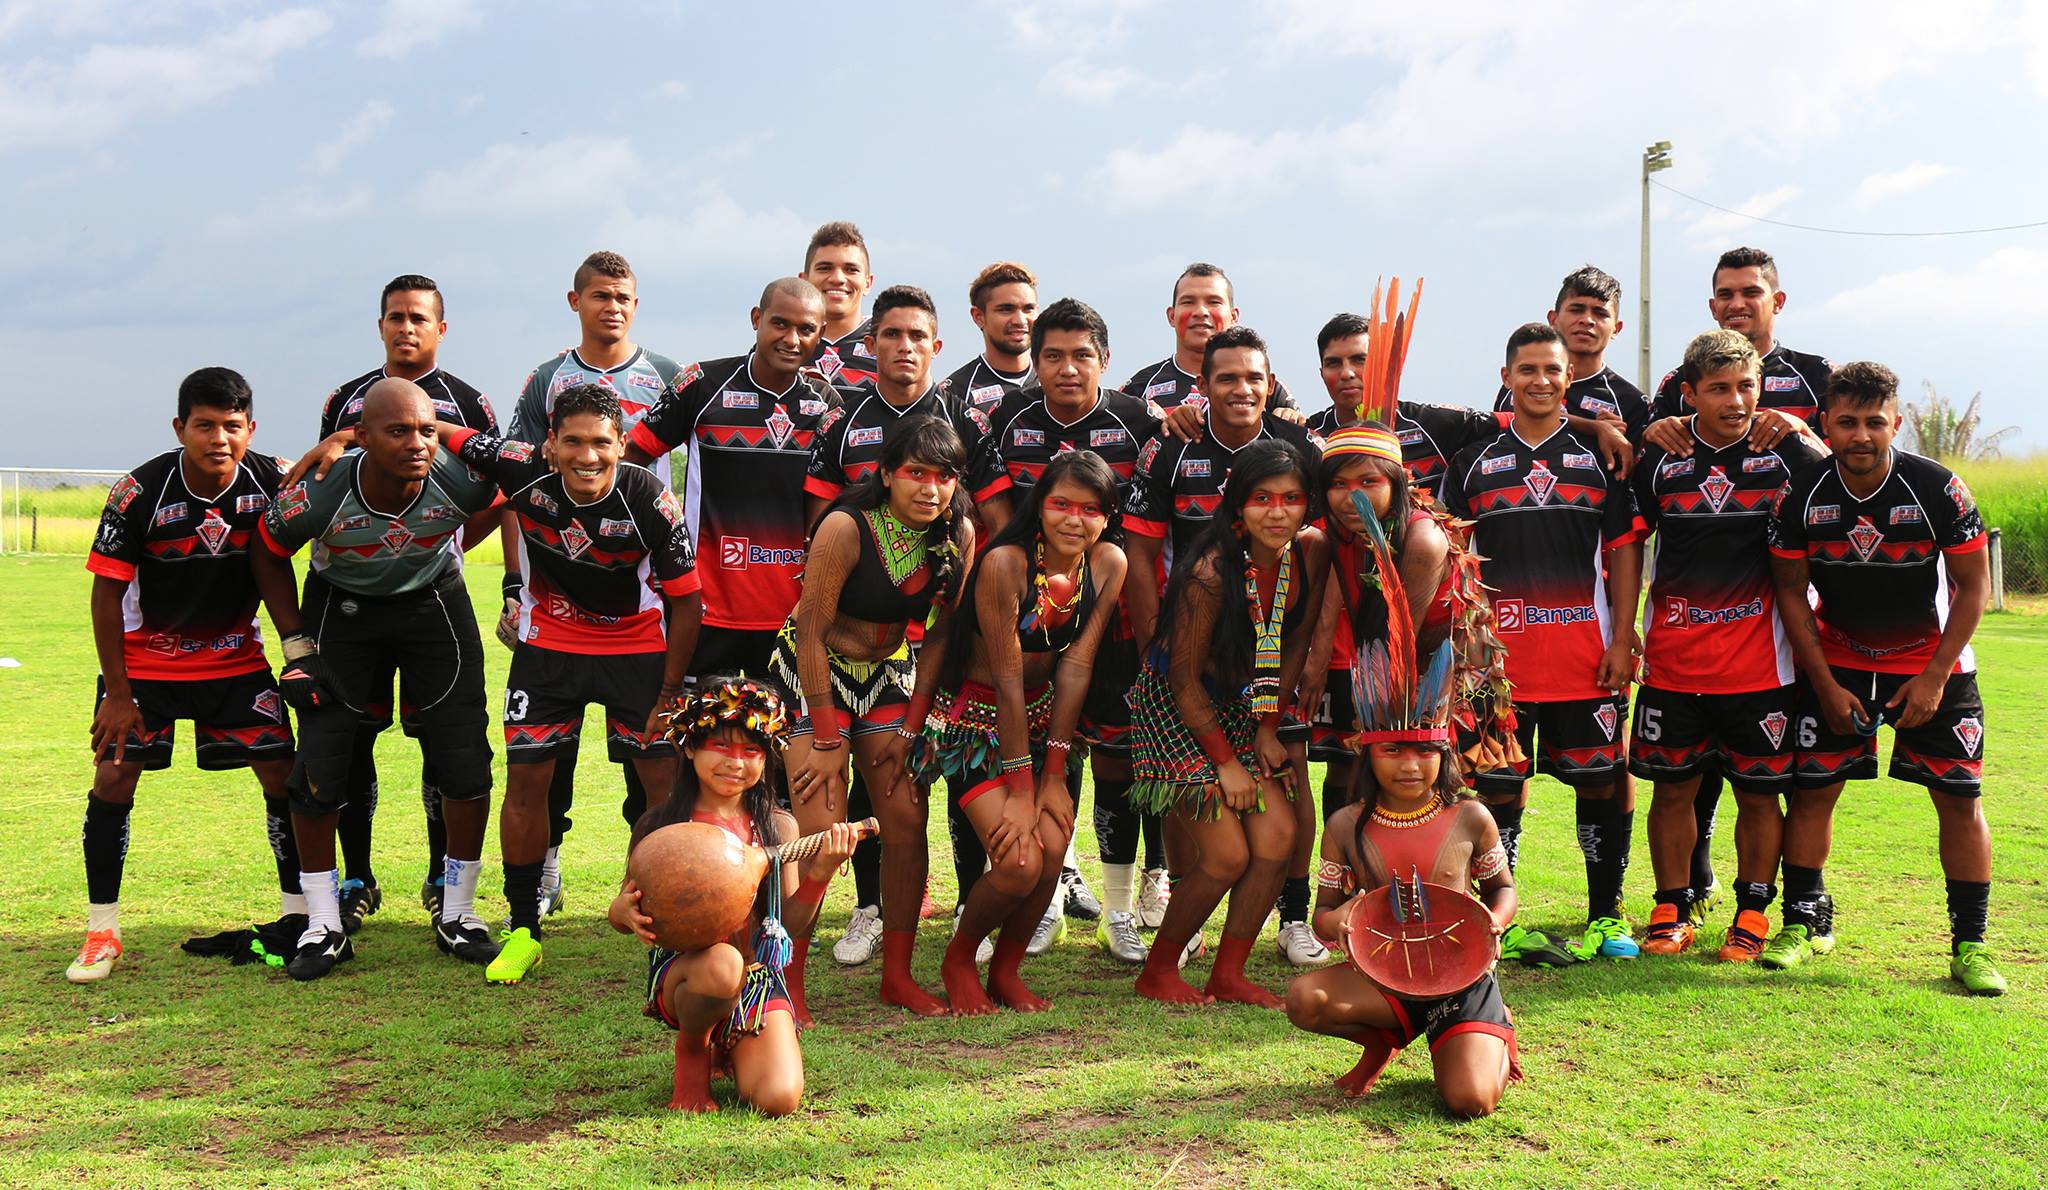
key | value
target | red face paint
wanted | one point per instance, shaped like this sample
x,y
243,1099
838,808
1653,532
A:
x,y
734,751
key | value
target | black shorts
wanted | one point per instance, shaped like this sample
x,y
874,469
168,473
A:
x,y
1583,742
547,690
1477,1009
1945,754
1335,721
1105,716
431,637
734,651
1748,736
237,720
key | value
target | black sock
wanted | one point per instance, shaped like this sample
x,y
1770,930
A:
x,y
1805,890
1507,819
1969,910
1116,823
1148,828
353,828
1754,894
1604,841
1294,899
867,857
106,847
634,805
562,794
522,893
1704,804
437,828
969,856
1681,897
284,847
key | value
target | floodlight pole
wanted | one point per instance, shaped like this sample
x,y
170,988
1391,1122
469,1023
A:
x,y
1655,157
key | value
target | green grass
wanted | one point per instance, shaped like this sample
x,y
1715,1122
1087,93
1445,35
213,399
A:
x,y
405,1069
2013,496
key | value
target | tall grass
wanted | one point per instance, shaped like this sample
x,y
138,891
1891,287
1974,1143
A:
x,y
2013,496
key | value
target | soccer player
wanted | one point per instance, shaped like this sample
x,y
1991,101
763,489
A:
x,y
411,321
1549,517
605,298
1203,306
607,552
1431,435
1587,314
1070,410
1894,547
836,261
386,585
1717,668
1003,301
174,624
747,423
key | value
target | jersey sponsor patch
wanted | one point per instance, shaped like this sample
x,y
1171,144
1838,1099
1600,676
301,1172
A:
x,y
1194,468
514,451
644,379
1823,514
171,512
1114,436
1906,513
542,501
1865,537
1781,384
213,531
292,501
1162,389
1599,406
1539,481
865,436
349,524
1673,468
1773,726
1970,734
732,553
574,540
253,502
1024,437
1411,437
446,406
977,418
671,509
1715,488
607,527
1496,465
985,395
123,493
861,351
1762,463
741,400
810,408
1582,462
1959,492
690,374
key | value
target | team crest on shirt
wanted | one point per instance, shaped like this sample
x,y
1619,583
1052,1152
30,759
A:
x,y
349,524
780,426
1608,718
1774,727
828,362
607,527
398,537
292,501
1716,487
1908,513
213,531
685,378
979,419
254,502
1540,481
1781,384
1865,538
1023,437
1960,493
1147,453
123,493
542,501
269,705
741,400
1496,465
575,540
171,512
1114,436
671,511
514,451
1970,733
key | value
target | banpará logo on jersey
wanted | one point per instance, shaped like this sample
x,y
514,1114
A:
x,y
514,451
1782,384
1164,388
986,394
1908,513
861,349
1599,406
123,493
1673,468
1496,464
1823,514
1513,615
1762,463
1679,613
255,502
607,527
1024,437
350,524
1195,468
810,408
865,436
738,553
1114,436
1582,462
170,512
1970,734
741,400
542,501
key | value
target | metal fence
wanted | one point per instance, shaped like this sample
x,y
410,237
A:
x,y
51,510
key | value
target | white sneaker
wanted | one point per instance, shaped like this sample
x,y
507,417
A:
x,y
1117,933
863,938
1300,946
1051,928
987,949
1153,895
1197,946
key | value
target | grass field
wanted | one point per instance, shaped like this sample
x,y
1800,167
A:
x,y
1866,1069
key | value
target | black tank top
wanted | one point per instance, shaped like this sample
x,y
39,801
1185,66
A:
x,y
869,593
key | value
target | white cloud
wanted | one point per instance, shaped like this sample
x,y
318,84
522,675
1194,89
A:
x,y
406,25
360,130
672,89
1880,186
1086,82
110,86
305,205
1140,179
1719,225
1072,25
716,230
535,179
2002,288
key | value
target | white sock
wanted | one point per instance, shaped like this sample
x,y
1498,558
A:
x,y
1117,881
1073,862
551,868
322,891
459,898
103,917
290,903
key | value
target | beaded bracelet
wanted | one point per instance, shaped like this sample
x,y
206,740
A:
x,y
1016,764
907,734
1059,745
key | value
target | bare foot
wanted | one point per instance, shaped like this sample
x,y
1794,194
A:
x,y
963,988
694,1064
903,992
1009,990
1236,989
1168,987
1360,1078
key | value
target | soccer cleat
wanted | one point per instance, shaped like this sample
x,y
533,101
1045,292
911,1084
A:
x,y
95,959
1534,948
982,953
551,898
317,955
1788,948
1746,937
1154,891
1051,928
430,896
1300,946
1972,968
518,956
358,901
1197,947
1668,933
1704,901
1117,933
1607,938
467,938
863,938
1079,902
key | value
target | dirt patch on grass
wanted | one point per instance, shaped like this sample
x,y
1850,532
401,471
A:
x,y
1201,1163
380,1143
1033,1129
191,1082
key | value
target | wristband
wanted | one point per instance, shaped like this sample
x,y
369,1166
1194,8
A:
x,y
512,585
919,710
297,645
810,892
1217,745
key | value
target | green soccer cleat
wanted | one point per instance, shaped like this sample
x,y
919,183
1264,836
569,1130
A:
x,y
1607,938
1790,947
1703,904
518,955
1534,948
1972,968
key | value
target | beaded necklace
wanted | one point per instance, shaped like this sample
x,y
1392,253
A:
x,y
1409,819
1265,686
1046,612
902,547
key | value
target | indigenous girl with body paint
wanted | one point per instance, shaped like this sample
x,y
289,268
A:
x,y
999,696
891,552
727,1001
1206,713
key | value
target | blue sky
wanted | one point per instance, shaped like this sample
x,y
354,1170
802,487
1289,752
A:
x,y
222,183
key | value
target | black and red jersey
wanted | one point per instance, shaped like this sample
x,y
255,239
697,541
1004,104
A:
x,y
1792,380
1543,513
1877,563
1603,394
1024,436
454,401
1165,385
848,446
984,386
189,613
747,447
1712,620
595,573
1179,485
1431,436
846,362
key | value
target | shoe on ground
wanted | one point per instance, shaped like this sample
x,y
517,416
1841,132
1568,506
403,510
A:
x,y
863,938
1117,933
1300,946
358,901
1606,938
1788,948
982,953
518,955
467,938
95,959
430,896
551,899
1153,894
1746,937
1668,933
1050,929
318,954
1079,902
1197,947
1704,902
1534,948
1972,968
